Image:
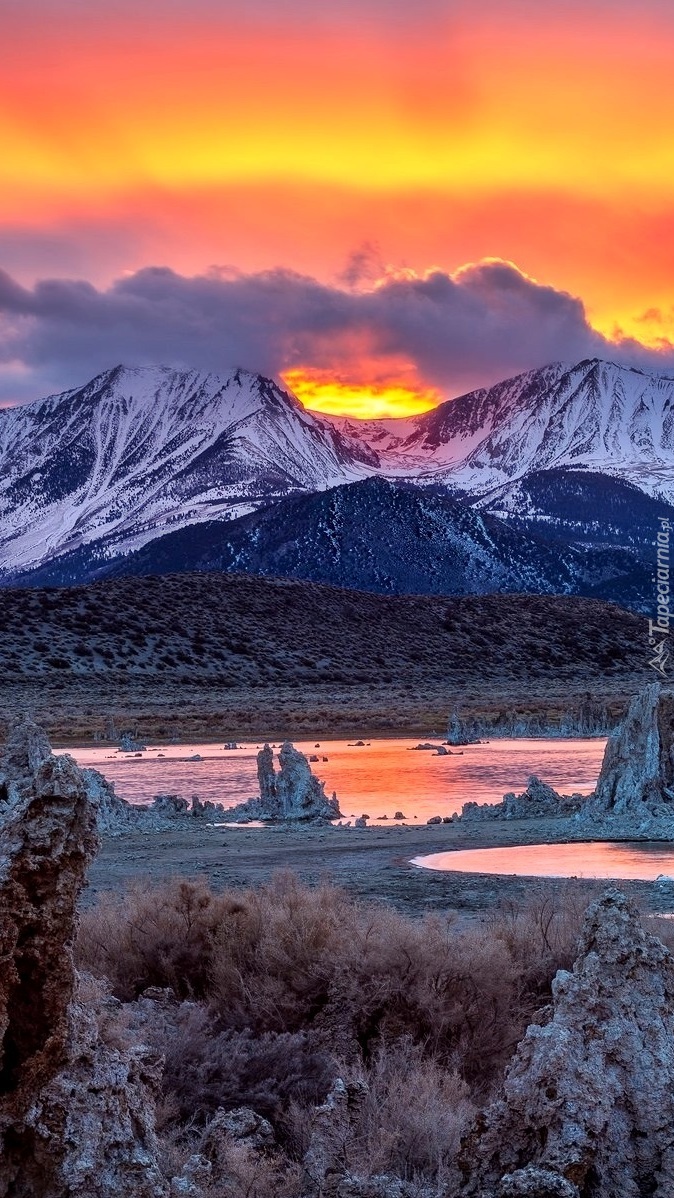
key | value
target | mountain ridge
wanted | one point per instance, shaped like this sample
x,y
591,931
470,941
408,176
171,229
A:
x,y
99,471
136,450
591,415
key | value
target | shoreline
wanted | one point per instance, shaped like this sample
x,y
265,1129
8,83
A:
x,y
372,864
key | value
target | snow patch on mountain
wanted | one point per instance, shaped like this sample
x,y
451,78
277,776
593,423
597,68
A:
x,y
137,453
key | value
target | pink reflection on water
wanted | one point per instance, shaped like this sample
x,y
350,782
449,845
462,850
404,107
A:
x,y
379,778
643,860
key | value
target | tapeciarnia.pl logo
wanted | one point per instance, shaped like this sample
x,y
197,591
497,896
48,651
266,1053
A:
x,y
659,629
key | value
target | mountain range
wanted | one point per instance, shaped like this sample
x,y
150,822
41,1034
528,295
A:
x,y
550,482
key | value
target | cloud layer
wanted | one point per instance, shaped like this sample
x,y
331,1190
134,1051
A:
x,y
486,321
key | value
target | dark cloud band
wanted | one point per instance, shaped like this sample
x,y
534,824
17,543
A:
x,y
484,322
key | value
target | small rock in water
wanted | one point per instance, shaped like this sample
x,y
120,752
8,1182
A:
x,y
127,744
435,819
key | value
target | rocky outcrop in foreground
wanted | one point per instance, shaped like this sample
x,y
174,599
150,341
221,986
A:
x,y
76,1116
587,1107
537,801
292,793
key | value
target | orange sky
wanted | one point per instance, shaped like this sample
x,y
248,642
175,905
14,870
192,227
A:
x,y
148,133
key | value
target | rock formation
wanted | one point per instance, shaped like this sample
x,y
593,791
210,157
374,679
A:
x,y
637,773
129,744
76,1116
101,1108
26,749
461,731
292,793
241,1125
46,843
266,776
113,815
587,1107
589,718
537,801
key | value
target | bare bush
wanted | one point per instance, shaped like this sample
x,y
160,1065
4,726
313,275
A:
x,y
408,1121
206,1069
163,936
281,983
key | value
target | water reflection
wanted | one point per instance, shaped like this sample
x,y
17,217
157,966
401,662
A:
x,y
379,778
640,860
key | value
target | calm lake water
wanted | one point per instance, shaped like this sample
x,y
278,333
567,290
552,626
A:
x,y
380,778
643,860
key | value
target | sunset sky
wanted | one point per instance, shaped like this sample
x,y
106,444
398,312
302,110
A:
x,y
386,203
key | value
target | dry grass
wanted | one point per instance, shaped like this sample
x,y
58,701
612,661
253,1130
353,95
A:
x,y
284,988
285,959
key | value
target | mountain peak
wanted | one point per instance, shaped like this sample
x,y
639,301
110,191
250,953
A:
x,y
139,450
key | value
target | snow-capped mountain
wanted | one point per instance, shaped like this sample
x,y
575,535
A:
x,y
593,416
137,452
579,506
100,471
375,535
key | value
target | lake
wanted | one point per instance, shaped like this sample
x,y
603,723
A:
x,y
380,778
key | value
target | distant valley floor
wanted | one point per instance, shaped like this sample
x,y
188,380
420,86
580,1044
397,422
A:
x,y
226,656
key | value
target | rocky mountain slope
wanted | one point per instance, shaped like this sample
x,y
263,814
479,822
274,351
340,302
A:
x,y
377,535
579,506
136,452
592,416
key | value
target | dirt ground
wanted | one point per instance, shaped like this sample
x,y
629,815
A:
x,y
373,864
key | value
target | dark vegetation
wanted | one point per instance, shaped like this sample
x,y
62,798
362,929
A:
x,y
255,656
555,531
278,991
234,628
391,538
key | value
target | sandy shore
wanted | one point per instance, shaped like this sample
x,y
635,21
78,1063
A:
x,y
373,864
